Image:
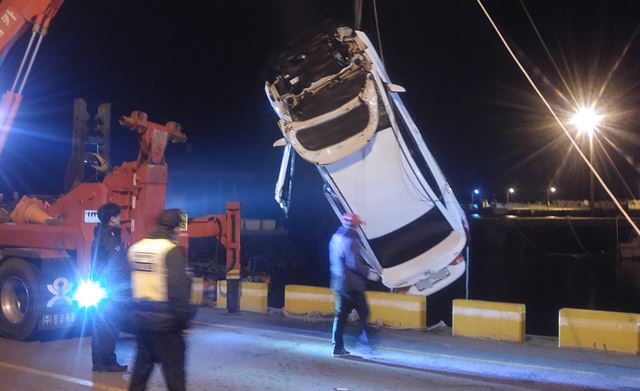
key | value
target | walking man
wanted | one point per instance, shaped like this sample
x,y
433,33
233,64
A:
x,y
161,291
348,277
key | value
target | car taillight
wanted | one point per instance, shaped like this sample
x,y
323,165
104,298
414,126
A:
x,y
457,260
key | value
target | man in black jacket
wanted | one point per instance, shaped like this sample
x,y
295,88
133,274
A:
x,y
348,278
110,268
161,289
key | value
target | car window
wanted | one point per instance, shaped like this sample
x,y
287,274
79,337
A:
x,y
412,240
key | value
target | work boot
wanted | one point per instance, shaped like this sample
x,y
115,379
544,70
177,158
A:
x,y
340,352
115,367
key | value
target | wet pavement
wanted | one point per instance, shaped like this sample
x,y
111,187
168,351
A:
x,y
273,352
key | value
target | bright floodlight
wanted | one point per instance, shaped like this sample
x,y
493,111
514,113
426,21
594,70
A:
x,y
552,189
476,191
512,190
89,294
586,119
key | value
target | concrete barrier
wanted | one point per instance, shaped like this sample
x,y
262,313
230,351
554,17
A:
x,y
253,296
387,309
197,291
303,300
599,330
489,320
397,310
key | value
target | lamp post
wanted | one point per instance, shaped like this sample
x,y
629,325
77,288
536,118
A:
x,y
510,190
474,193
586,120
592,198
550,190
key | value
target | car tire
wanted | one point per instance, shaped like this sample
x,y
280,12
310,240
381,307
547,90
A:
x,y
19,299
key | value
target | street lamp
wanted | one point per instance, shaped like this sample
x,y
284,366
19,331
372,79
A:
x,y
586,120
510,190
550,190
474,193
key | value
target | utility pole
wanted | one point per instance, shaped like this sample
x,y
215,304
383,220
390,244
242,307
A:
x,y
591,179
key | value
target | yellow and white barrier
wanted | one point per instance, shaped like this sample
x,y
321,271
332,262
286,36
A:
x,y
387,309
599,330
253,296
397,310
197,291
303,300
489,319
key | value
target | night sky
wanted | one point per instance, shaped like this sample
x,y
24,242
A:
x,y
200,64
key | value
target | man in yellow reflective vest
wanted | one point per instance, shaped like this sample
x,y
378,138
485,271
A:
x,y
161,289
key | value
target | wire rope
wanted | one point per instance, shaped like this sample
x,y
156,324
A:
x,y
575,236
555,116
375,15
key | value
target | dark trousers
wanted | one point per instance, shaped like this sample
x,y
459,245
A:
x,y
104,336
345,302
167,349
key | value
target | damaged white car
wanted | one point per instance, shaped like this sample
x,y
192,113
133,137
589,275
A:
x,y
339,110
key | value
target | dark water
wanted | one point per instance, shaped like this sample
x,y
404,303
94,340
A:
x,y
545,264
537,265
547,283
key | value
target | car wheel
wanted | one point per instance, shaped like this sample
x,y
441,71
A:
x,y
19,299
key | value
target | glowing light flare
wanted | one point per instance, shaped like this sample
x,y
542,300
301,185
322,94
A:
x,y
560,122
89,293
586,120
553,189
511,190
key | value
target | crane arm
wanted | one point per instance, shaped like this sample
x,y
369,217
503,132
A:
x,y
15,16
226,229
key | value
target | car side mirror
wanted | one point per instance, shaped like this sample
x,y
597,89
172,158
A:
x,y
395,88
280,143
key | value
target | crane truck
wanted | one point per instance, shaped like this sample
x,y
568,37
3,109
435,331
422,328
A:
x,y
42,265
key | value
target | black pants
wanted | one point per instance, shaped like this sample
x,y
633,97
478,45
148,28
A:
x,y
167,349
104,336
345,302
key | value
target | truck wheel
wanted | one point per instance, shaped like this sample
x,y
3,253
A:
x,y
19,299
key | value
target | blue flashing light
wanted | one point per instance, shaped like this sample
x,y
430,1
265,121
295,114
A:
x,y
89,293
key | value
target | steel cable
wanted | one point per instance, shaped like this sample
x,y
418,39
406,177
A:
x,y
555,116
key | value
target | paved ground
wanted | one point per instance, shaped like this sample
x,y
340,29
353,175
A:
x,y
272,352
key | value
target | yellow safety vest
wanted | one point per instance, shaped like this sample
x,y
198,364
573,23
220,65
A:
x,y
149,269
